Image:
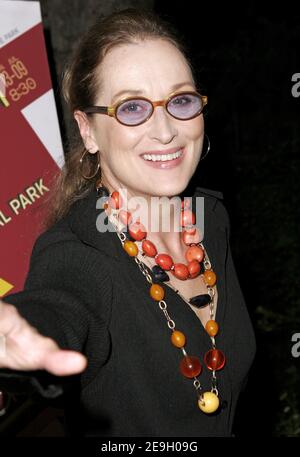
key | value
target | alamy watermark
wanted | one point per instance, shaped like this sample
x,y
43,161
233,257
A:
x,y
296,347
296,87
149,211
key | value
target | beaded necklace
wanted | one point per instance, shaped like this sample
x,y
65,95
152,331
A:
x,y
198,263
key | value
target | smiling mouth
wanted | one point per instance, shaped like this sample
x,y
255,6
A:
x,y
162,157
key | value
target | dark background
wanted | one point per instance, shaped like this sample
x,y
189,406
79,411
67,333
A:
x,y
245,55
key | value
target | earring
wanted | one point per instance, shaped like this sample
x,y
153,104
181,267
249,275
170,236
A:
x,y
208,148
81,161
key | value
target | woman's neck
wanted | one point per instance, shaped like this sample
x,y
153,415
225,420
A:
x,y
159,215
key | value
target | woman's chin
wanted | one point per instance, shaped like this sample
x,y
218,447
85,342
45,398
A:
x,y
168,190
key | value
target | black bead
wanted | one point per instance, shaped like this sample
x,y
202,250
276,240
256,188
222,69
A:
x,y
102,191
160,274
200,300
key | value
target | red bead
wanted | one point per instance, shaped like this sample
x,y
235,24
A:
x,y
165,261
185,203
194,268
137,231
125,217
149,248
189,238
181,271
214,359
187,217
194,253
190,366
115,200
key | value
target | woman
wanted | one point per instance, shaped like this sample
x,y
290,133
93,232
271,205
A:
x,y
152,325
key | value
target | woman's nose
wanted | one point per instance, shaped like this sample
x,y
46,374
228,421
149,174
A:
x,y
162,125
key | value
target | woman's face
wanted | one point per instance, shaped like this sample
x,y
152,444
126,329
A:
x,y
153,67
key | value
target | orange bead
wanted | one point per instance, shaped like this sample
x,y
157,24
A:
x,y
149,248
210,277
115,200
165,261
137,231
194,268
178,339
157,292
131,248
212,328
181,271
187,217
125,217
194,253
189,237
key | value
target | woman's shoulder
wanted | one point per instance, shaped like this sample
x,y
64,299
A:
x,y
77,232
58,234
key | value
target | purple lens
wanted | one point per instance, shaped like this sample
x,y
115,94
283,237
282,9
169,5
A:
x,y
134,111
185,106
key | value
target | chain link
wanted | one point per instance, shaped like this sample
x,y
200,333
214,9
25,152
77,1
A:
x,y
197,384
171,324
214,384
213,342
163,306
144,270
122,236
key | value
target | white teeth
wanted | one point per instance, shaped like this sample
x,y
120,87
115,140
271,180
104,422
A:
x,y
162,158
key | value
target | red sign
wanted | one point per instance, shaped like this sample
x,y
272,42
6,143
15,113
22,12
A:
x,y
30,142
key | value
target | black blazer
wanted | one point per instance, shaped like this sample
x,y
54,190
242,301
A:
x,y
84,291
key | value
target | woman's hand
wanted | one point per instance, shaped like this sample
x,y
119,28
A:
x,y
22,347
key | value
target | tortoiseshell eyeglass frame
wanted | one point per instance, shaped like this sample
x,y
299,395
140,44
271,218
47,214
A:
x,y
112,110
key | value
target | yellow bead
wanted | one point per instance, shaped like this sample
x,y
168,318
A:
x,y
157,292
178,339
131,248
210,277
209,402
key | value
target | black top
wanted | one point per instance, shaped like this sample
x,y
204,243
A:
x,y
84,291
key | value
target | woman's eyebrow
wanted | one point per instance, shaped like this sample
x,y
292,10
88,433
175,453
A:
x,y
140,92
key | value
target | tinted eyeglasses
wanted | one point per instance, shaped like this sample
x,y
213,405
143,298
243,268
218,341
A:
x,y
134,111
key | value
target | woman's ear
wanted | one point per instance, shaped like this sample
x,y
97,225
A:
x,y
85,131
